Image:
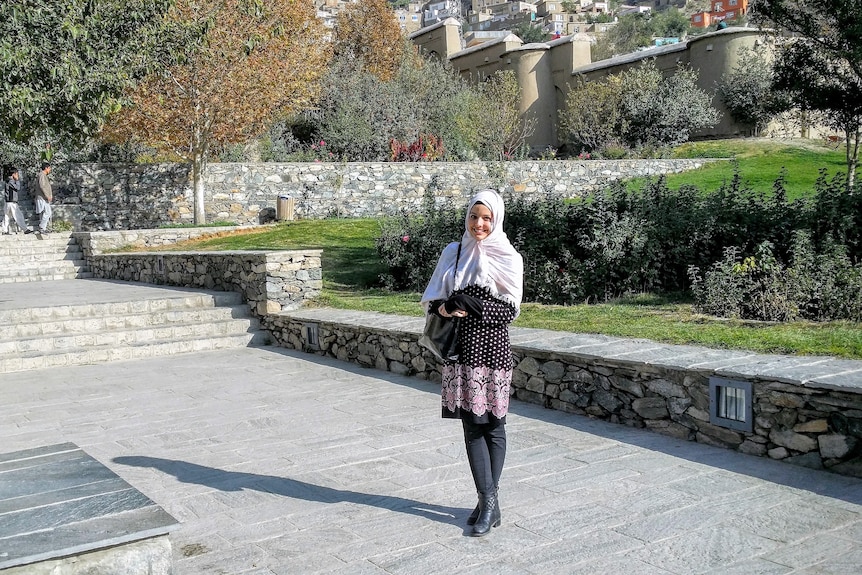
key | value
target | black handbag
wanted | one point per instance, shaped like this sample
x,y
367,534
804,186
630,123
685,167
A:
x,y
440,336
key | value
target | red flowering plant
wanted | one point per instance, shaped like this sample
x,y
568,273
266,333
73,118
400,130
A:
x,y
426,148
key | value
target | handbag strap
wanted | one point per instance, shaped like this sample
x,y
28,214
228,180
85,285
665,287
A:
x,y
457,259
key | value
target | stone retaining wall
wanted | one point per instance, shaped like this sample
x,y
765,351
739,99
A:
x,y
118,196
814,422
271,281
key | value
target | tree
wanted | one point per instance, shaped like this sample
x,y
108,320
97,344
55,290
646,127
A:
x,y
369,32
529,33
64,63
631,32
663,111
828,50
358,114
820,84
747,90
257,60
833,26
501,130
670,23
592,118
639,108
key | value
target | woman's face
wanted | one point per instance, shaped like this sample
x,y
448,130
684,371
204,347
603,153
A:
x,y
481,222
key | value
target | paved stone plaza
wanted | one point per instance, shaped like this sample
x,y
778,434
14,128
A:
x,y
278,462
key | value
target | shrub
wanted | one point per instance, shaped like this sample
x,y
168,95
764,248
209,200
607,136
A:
x,y
411,245
426,148
747,89
764,258
818,287
591,118
639,109
661,111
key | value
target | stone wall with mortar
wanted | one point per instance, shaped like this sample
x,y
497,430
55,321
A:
x,y
271,281
807,411
125,197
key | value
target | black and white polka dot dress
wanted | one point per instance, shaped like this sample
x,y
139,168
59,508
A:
x,y
477,387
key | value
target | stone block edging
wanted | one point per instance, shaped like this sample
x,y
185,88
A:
x,y
807,410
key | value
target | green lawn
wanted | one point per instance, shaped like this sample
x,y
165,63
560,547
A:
x,y
760,162
351,268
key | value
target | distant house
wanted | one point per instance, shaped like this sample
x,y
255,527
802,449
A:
x,y
721,10
439,10
410,18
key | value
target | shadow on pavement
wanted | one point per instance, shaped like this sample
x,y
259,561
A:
x,y
238,481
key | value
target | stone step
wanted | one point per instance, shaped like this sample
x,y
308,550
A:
x,y
31,254
121,352
21,237
61,343
29,250
39,263
36,257
46,312
50,270
218,321
47,336
41,275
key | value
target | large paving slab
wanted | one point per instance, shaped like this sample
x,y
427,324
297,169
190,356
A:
x,y
277,462
56,501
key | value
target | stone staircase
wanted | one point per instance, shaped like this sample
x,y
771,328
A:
x,y
74,320
34,257
88,333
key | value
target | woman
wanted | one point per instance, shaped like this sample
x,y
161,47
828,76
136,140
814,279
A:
x,y
481,283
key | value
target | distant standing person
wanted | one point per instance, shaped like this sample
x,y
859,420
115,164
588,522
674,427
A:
x,y
13,211
44,196
480,280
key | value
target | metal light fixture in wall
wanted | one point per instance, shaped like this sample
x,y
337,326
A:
x,y
730,404
312,338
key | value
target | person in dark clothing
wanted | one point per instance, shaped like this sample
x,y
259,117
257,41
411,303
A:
x,y
482,286
12,211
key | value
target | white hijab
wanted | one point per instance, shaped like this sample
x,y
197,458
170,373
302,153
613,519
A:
x,y
492,262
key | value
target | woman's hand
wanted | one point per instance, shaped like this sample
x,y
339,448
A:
x,y
455,313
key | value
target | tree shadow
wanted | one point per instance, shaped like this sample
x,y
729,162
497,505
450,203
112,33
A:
x,y
239,481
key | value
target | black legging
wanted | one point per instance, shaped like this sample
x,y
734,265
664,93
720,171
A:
x,y
486,452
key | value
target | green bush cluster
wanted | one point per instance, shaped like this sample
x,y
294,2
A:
x,y
638,111
765,257
411,244
813,286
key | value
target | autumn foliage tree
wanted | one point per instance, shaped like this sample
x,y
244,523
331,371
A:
x,y
369,32
256,60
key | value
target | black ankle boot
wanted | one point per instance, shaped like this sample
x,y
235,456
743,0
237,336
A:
x,y
489,515
475,515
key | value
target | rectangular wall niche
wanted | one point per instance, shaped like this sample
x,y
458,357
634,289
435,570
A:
x,y
310,331
730,404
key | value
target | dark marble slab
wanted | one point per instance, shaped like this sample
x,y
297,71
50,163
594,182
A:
x,y
57,501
